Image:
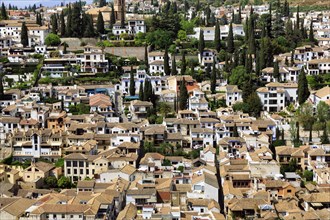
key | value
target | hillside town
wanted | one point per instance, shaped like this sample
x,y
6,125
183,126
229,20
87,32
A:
x,y
165,110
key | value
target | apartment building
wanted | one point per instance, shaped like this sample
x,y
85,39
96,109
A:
x,y
233,95
93,60
37,144
12,28
318,66
276,96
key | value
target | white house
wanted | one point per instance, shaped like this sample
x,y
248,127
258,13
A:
x,y
276,96
320,95
233,94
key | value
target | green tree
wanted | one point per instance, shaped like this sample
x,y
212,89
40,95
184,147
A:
x,y
308,175
159,38
164,109
52,40
201,43
76,22
51,181
132,83
79,109
24,35
322,112
217,35
100,24
62,21
173,68
230,39
247,89
167,70
303,91
306,117
254,105
89,27
238,76
183,98
64,182
213,78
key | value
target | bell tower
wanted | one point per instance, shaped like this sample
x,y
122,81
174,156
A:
x,y
119,6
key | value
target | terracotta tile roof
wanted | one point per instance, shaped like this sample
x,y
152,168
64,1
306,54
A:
x,y
129,212
99,99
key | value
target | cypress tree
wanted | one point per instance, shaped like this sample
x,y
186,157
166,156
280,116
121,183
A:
x,y
100,24
303,30
292,58
89,29
183,63
65,45
24,35
239,15
247,89
68,31
286,9
76,21
276,73
249,64
173,69
54,24
122,16
183,95
213,78
198,6
235,131
311,33
192,69
303,91
146,55
297,19
141,96
102,3
258,64
278,27
217,36
4,14
112,16
132,83
201,43
251,33
62,24
325,137
166,63
230,39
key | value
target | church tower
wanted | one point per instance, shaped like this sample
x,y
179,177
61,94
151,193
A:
x,y
119,6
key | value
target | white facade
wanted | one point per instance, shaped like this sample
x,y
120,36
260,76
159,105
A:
x,y
276,96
